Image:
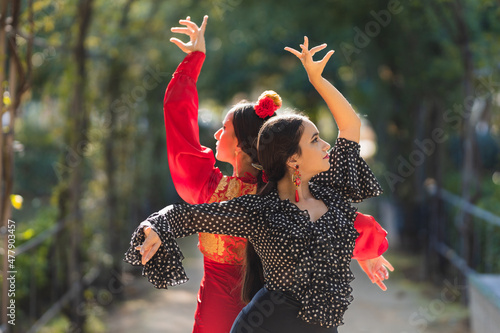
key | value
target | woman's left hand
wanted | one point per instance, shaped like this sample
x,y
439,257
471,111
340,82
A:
x,y
150,246
313,68
376,269
196,35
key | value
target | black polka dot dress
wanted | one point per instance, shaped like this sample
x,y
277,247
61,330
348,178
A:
x,y
309,260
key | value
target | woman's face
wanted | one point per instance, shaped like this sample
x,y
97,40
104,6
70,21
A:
x,y
226,140
314,157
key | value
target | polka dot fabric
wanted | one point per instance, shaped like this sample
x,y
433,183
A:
x,y
309,260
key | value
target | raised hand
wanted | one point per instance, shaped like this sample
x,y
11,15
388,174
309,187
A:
x,y
376,269
196,35
313,68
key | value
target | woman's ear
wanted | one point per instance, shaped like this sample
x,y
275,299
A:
x,y
292,161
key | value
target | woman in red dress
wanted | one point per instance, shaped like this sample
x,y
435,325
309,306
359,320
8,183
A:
x,y
197,180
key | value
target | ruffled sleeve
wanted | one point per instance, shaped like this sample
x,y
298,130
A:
x,y
238,217
165,268
192,165
349,173
371,242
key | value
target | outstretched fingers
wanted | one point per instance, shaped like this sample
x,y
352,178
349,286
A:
x,y
387,264
306,52
181,30
317,49
196,35
327,57
294,52
188,29
189,24
204,24
179,43
381,285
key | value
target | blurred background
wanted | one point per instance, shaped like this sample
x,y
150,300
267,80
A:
x,y
84,157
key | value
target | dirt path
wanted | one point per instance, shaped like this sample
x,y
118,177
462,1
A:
x,y
401,309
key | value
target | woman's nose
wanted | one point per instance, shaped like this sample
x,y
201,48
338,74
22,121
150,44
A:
x,y
327,145
217,134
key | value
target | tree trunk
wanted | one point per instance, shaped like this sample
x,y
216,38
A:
x,y
18,83
5,267
115,217
470,174
70,194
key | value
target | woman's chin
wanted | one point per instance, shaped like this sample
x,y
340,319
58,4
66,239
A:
x,y
327,166
220,157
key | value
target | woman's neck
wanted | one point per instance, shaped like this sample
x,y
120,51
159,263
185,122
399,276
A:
x,y
242,165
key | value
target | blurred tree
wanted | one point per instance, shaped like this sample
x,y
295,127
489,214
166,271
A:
x,y
72,184
15,73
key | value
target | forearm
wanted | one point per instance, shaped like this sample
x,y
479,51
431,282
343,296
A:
x,y
233,218
191,165
346,118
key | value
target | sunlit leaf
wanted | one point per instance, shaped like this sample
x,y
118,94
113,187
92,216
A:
x,y
6,100
16,200
28,234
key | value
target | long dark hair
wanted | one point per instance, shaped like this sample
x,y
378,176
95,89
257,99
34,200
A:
x,y
278,139
247,124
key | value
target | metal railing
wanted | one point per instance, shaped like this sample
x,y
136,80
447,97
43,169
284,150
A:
x,y
467,242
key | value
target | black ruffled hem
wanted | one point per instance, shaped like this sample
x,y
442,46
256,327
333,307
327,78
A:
x,y
165,268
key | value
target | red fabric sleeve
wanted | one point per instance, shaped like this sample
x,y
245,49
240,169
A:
x,y
192,165
371,242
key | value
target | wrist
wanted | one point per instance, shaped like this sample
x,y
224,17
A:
x,y
315,79
145,224
200,47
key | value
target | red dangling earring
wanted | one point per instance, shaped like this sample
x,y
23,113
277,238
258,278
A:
x,y
296,180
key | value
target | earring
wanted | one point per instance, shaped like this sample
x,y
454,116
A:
x,y
296,180
236,166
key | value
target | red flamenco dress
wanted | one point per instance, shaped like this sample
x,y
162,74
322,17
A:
x,y
197,180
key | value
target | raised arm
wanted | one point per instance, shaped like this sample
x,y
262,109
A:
x,y
192,165
347,120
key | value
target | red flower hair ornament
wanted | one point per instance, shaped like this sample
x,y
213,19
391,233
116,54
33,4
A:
x,y
269,101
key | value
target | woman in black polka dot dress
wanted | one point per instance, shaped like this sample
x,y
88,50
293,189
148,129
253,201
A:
x,y
300,224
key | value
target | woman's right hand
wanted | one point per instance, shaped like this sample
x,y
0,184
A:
x,y
150,245
313,68
196,35
377,270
